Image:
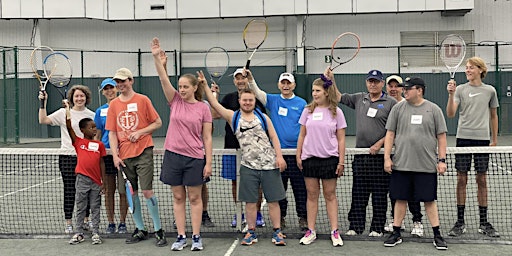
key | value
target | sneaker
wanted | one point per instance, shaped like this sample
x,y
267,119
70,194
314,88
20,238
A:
x,y
160,238
303,223
417,229
308,238
351,233
233,223
393,239
375,234
336,238
283,222
488,230
389,227
121,229
458,229
69,229
96,239
440,243
87,226
278,238
197,243
111,228
250,238
181,242
260,221
137,236
77,238
207,221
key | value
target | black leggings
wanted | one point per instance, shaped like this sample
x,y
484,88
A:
x,y
67,166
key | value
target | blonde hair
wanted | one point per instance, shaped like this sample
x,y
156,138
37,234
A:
x,y
82,88
198,94
480,63
331,97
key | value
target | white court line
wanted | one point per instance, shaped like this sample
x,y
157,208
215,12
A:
x,y
26,169
27,188
231,248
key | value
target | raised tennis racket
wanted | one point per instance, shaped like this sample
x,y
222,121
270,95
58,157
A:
x,y
344,49
129,191
216,63
452,52
255,33
36,63
58,70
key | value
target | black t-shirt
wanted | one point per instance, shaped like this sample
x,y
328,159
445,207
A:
x,y
230,101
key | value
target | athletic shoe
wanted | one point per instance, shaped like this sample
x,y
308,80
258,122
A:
x,y
160,238
77,238
137,236
375,234
87,226
283,222
389,227
488,230
233,223
111,228
393,239
336,238
250,238
303,223
121,229
440,243
69,229
278,238
417,229
207,221
458,229
197,243
96,239
308,238
351,233
181,242
260,221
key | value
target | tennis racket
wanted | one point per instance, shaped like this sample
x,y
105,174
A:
x,y
344,49
255,33
452,52
216,63
36,63
129,191
58,70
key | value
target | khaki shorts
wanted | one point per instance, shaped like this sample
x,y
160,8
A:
x,y
140,168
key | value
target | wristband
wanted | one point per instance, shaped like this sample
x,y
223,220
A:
x,y
441,160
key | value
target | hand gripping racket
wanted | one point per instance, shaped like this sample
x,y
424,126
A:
x,y
255,33
452,52
344,49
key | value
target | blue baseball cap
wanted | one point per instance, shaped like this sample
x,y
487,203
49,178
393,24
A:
x,y
107,81
375,74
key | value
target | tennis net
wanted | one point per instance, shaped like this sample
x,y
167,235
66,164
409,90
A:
x,y
31,197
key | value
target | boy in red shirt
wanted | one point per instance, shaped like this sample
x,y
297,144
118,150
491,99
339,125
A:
x,y
90,172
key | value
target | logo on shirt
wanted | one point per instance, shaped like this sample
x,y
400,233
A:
x,y
242,130
471,95
128,120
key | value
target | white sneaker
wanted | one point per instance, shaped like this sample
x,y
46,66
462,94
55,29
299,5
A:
x,y
69,229
375,234
309,237
389,227
336,238
417,229
351,233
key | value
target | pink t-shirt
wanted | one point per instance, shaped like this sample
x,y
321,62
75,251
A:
x,y
321,127
184,134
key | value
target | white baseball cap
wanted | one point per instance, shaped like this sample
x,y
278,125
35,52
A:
x,y
287,76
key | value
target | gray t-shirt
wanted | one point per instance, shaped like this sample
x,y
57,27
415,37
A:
x,y
474,104
416,129
371,116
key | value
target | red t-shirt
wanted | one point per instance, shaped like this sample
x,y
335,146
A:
x,y
89,154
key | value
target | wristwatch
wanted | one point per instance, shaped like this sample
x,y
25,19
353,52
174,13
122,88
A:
x,y
441,160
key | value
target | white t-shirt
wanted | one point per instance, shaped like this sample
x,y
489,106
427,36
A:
x,y
59,118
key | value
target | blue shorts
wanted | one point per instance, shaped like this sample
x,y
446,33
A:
x,y
463,161
413,186
228,170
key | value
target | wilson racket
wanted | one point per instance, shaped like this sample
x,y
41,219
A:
x,y
129,191
344,49
452,52
216,63
58,71
255,33
36,63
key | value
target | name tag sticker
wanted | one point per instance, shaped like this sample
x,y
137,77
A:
x,y
282,111
416,119
132,107
318,116
103,112
371,112
94,146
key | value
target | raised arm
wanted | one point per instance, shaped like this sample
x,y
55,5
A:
x,y
330,75
158,54
226,114
260,94
43,116
451,105
71,132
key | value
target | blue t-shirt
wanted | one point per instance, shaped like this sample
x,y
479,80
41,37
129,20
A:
x,y
285,115
101,119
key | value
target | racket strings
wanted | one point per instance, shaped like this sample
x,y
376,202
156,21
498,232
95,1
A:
x,y
452,51
58,69
217,62
255,34
345,48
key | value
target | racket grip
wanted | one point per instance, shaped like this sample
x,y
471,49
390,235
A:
x,y
41,101
247,64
